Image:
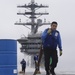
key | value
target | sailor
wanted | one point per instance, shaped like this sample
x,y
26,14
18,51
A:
x,y
50,40
23,63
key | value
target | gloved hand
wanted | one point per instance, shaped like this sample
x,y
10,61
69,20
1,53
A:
x,y
60,52
49,31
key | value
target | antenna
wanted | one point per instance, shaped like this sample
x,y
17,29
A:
x,y
32,15
32,1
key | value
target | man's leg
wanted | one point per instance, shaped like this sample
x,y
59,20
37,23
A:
x,y
24,69
46,58
54,61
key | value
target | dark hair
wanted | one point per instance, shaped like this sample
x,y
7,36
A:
x,y
54,22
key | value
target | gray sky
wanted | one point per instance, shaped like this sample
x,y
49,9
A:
x,y
62,11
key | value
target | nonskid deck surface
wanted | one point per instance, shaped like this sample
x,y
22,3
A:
x,y
31,73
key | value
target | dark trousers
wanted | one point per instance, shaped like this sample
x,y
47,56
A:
x,y
23,69
47,54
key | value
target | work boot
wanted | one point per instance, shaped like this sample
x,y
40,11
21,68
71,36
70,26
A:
x,y
52,72
47,72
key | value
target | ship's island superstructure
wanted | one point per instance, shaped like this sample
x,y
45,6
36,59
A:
x,y
32,43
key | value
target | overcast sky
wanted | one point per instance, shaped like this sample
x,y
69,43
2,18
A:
x,y
62,11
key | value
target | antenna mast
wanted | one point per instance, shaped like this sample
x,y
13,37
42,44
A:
x,y
32,15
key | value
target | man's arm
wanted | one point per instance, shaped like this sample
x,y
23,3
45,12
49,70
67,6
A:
x,y
59,43
44,35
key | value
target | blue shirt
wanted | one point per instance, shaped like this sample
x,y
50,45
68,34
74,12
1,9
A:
x,y
23,62
51,40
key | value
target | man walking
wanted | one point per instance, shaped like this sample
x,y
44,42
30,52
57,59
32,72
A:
x,y
23,63
50,40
